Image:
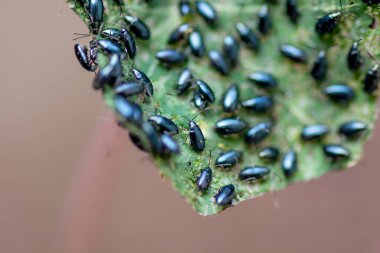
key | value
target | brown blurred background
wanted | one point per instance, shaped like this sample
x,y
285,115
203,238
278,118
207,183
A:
x,y
48,112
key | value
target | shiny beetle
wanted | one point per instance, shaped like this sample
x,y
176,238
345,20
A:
x,y
219,62
169,145
231,50
293,53
263,79
292,10
180,33
204,179
171,57
184,82
95,10
185,8
197,139
229,126
352,129
138,27
336,152
127,89
254,173
250,39
340,93
199,102
265,19
230,99
314,132
110,74
225,195
228,159
128,110
320,66
259,104
153,138
371,80
163,124
205,91
206,11
269,154
81,52
144,80
354,58
196,43
258,132
289,163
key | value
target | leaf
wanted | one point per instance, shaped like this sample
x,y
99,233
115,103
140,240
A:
x,y
299,99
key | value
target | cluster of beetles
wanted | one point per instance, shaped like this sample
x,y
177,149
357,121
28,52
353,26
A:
x,y
120,44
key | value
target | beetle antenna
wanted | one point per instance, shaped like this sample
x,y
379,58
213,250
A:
x,y
372,57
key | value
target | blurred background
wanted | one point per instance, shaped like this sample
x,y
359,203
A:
x,y
51,200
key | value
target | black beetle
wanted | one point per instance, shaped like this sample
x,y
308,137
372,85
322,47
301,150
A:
x,y
230,126
292,10
163,124
230,99
289,163
199,102
354,58
231,50
228,159
340,93
153,138
109,46
129,42
263,79
258,132
127,89
144,80
197,139
196,43
128,110
352,129
225,195
250,39
254,173
219,62
204,179
169,144
206,11
81,52
171,57
269,154
108,75
329,22
259,104
265,19
180,33
184,82
185,8
95,10
293,53
371,80
205,91
336,152
138,27
314,132
320,66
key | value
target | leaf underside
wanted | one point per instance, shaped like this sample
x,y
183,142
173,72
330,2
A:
x,y
299,99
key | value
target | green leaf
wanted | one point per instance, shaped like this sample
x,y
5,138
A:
x,y
299,99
